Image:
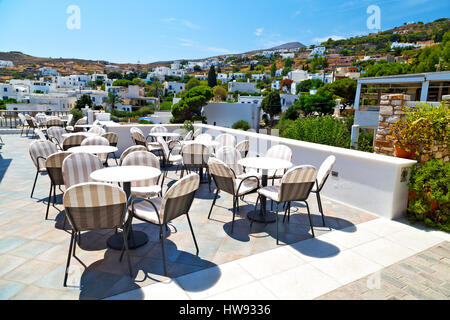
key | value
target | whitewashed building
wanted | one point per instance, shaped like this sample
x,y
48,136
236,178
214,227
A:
x,y
6,64
249,87
174,87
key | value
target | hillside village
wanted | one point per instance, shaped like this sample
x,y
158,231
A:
x,y
292,69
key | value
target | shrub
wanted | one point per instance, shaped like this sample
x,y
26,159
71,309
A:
x,y
323,130
166,105
77,115
145,111
429,198
365,142
188,126
241,125
142,121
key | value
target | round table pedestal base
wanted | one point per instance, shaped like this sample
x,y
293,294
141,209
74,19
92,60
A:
x,y
268,217
116,241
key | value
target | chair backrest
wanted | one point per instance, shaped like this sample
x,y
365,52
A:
x,y
73,141
41,118
324,171
204,137
41,148
243,147
32,123
222,175
226,140
91,206
56,133
157,129
197,133
138,137
142,158
230,156
297,183
54,167
178,199
98,130
195,155
22,118
130,150
81,121
280,152
55,123
69,119
164,147
77,168
40,134
188,136
112,137
95,141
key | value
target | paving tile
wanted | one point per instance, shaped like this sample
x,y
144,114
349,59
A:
x,y
30,271
8,263
302,283
414,239
37,293
8,289
313,249
168,290
9,244
252,291
31,249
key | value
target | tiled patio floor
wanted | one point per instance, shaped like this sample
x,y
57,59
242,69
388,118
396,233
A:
x,y
33,251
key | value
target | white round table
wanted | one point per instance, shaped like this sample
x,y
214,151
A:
x,y
93,149
265,164
164,134
86,134
126,175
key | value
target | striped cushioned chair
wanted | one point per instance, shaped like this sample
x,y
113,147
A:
x,y
144,188
39,134
195,156
189,136
279,152
139,139
231,156
23,122
113,139
226,181
72,141
159,211
94,206
80,122
322,175
130,150
40,150
197,133
243,147
53,164
77,168
296,185
158,129
32,123
169,158
55,123
204,137
41,118
55,135
98,130
226,140
97,141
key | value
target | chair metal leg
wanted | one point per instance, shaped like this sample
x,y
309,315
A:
x,y
48,202
234,213
213,203
162,249
276,213
192,231
286,207
72,238
319,203
34,184
310,220
256,206
54,196
125,244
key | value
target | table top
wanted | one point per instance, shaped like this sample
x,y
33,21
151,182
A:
x,y
86,134
125,174
164,134
93,149
265,163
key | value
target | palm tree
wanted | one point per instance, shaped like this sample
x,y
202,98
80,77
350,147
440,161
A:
x,y
112,100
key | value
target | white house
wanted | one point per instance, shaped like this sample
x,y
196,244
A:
x,y
174,87
287,100
236,76
223,77
49,72
290,55
397,44
250,99
268,54
320,50
161,72
298,75
275,85
259,76
6,64
249,87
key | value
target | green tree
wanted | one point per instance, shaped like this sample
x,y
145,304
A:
x,y
220,93
273,70
85,100
212,77
191,103
156,89
115,75
306,85
122,83
197,68
344,89
271,105
321,102
288,63
112,100
193,82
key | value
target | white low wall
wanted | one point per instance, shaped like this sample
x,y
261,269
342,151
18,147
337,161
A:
x,y
227,114
366,181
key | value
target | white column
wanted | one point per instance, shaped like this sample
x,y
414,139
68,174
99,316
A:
x,y
424,93
357,96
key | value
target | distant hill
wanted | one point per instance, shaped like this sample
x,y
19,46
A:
x,y
289,45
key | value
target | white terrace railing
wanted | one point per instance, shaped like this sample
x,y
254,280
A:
x,y
370,182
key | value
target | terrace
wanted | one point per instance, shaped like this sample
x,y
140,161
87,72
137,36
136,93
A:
x,y
365,237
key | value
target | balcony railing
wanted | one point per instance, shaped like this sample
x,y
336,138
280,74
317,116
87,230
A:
x,y
10,118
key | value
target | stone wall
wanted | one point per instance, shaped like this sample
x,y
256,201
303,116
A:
x,y
390,112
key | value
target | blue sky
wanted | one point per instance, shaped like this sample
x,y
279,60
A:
x,y
149,30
